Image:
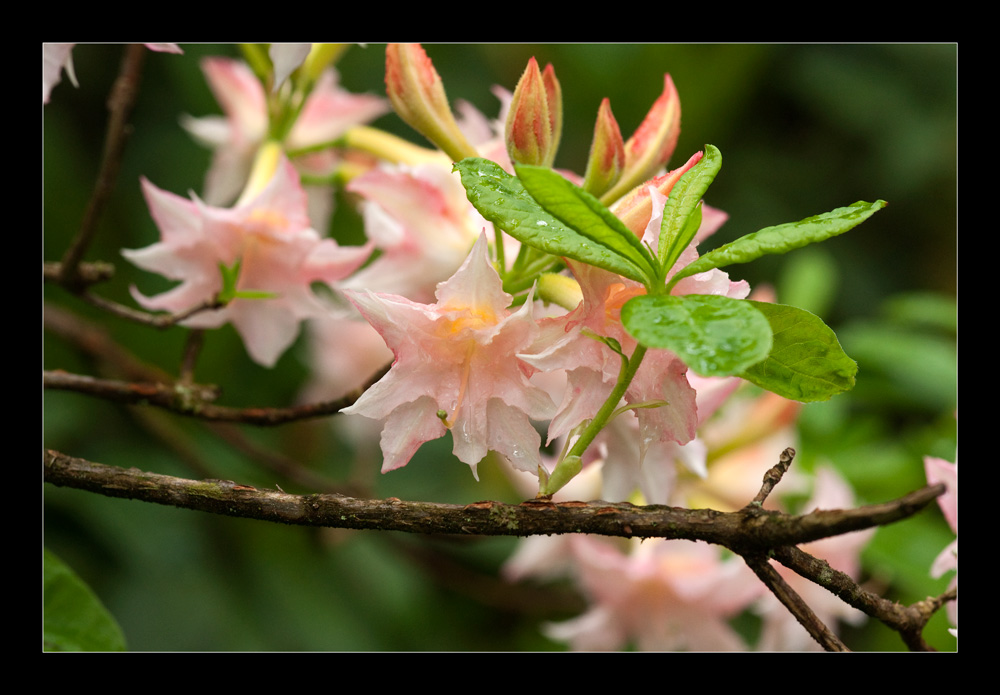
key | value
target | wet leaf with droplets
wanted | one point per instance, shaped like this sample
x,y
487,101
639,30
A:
x,y
502,199
713,335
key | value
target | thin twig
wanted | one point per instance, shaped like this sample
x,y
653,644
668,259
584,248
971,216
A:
x,y
155,320
120,104
194,400
86,273
908,621
774,476
794,603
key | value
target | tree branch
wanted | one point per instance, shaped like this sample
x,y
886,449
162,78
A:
x,y
741,531
120,104
194,400
794,603
908,621
751,532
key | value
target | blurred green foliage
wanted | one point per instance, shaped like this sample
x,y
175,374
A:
x,y
803,129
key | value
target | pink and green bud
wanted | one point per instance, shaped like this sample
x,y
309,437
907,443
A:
x,y
534,122
636,207
652,144
417,95
607,153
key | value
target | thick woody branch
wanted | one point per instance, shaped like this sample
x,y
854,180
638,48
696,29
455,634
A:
x,y
751,532
742,531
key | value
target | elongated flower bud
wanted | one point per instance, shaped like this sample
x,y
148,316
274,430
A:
x,y
417,94
607,153
554,93
534,122
653,142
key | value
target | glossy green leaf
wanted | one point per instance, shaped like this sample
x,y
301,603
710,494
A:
x,y
806,362
783,238
584,213
502,199
73,617
713,335
682,212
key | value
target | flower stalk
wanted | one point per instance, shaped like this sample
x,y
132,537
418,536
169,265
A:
x,y
569,465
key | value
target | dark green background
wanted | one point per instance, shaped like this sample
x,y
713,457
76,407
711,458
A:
x,y
802,129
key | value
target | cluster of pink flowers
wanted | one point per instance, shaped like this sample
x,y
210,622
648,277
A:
x,y
278,251
426,293
662,595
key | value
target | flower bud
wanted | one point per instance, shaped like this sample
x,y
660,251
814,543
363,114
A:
x,y
653,142
635,208
534,122
607,153
417,94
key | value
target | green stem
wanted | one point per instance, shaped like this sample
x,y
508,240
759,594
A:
x,y
569,465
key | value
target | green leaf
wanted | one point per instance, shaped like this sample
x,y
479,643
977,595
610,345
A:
x,y
713,335
584,213
806,362
682,212
73,617
783,238
502,199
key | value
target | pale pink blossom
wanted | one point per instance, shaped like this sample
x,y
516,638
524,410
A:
x,y
422,221
55,57
455,369
628,468
568,342
58,56
327,113
658,595
941,471
346,352
279,253
419,215
745,438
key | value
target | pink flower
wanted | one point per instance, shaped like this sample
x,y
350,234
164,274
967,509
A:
x,y
456,367
417,212
328,112
941,471
346,352
567,342
278,252
659,596
420,218
56,56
